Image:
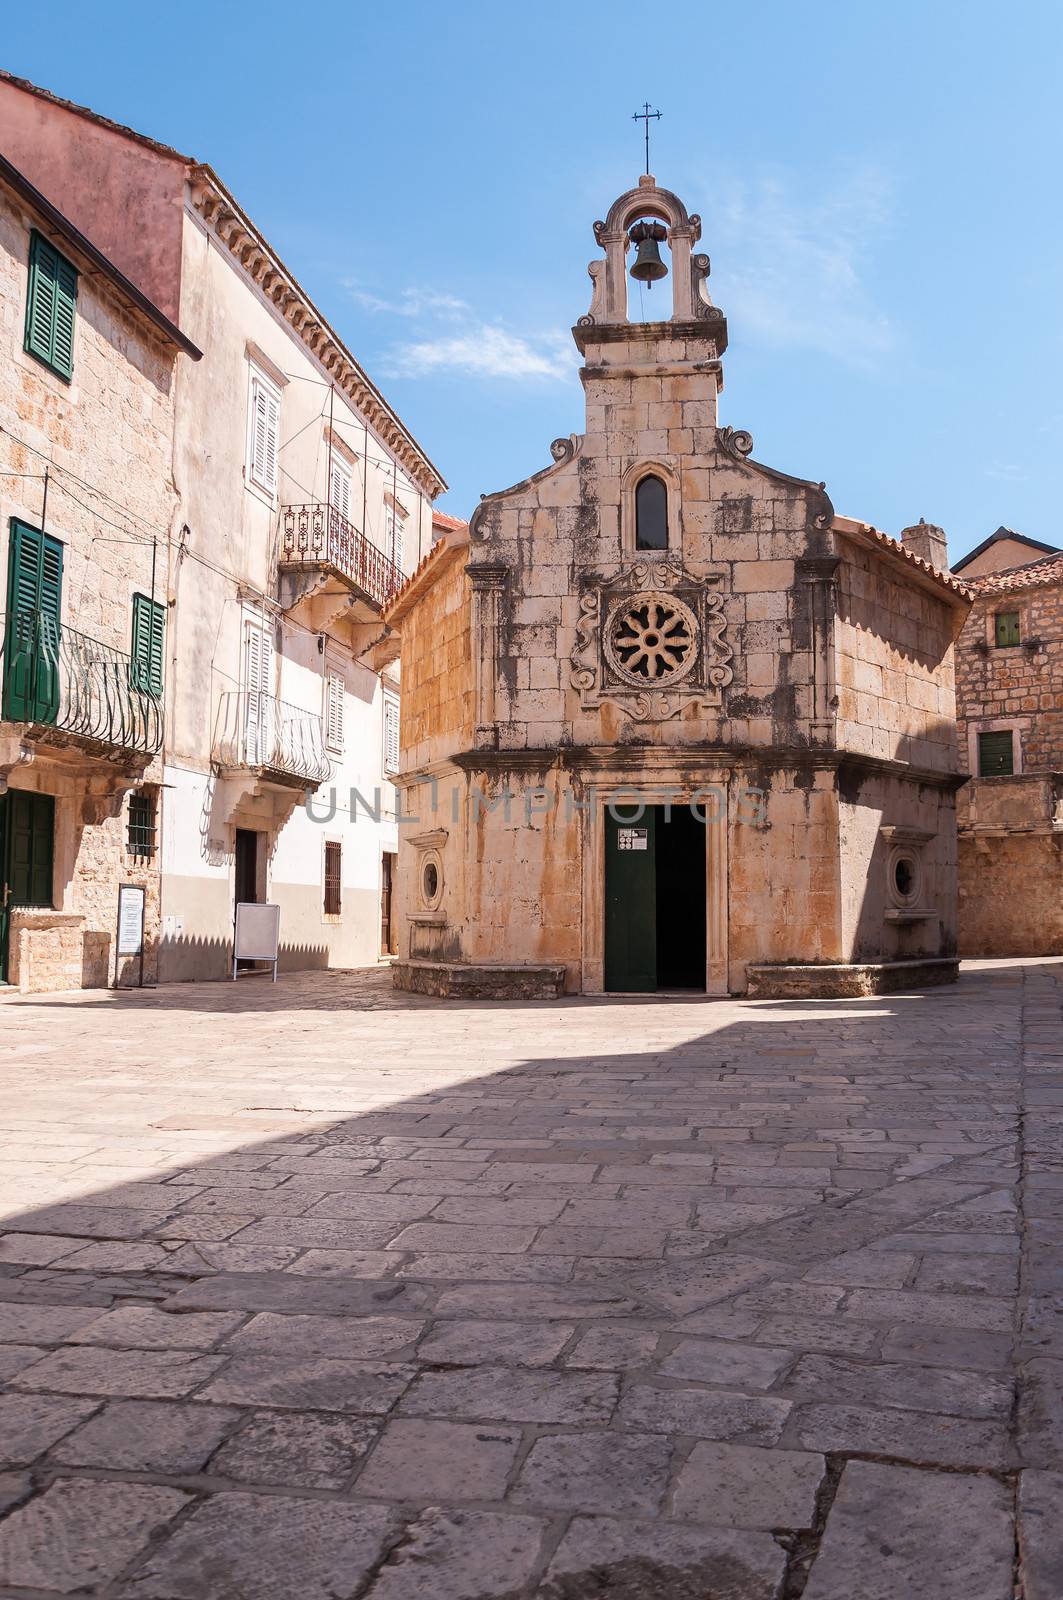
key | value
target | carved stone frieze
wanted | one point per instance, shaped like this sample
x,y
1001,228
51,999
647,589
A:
x,y
651,641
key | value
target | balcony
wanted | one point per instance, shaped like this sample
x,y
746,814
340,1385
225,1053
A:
x,y
69,689
315,536
280,744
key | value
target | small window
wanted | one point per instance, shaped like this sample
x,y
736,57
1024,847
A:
x,y
340,488
651,515
391,734
996,754
149,633
334,690
140,841
430,881
1006,628
262,433
51,304
333,878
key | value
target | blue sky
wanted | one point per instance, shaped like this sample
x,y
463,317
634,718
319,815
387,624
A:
x,y
879,188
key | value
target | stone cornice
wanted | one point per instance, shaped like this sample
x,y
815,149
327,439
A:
x,y
234,230
651,761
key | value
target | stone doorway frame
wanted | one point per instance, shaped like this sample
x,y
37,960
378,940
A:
x,y
606,788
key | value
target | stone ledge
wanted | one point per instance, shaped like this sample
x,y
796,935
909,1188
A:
x,y
488,980
844,980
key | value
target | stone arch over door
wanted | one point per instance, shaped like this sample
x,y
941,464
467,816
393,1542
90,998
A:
x,y
601,789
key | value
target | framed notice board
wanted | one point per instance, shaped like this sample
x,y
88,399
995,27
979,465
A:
x,y
129,940
257,935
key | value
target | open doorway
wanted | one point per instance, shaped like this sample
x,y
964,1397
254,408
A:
x,y
655,899
245,876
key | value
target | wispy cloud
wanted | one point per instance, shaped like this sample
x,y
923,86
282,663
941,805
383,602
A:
x,y
452,338
796,268
1007,471
484,350
409,302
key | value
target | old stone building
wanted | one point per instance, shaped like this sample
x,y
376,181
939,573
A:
x,y
88,368
668,720
1009,692
296,500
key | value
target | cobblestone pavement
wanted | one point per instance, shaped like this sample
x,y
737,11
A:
x,y
318,1291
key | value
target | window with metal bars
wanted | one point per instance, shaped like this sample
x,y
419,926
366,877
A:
x,y
140,840
333,878
996,754
1006,628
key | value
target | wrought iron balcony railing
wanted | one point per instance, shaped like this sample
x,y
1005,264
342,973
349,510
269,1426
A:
x,y
55,677
317,533
258,732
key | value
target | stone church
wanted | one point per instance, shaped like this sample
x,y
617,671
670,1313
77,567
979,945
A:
x,y
668,721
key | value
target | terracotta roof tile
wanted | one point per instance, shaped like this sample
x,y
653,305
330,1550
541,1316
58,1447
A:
x,y
897,548
441,520
1048,570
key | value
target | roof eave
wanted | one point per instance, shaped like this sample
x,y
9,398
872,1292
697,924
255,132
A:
x,y
941,584
206,191
84,247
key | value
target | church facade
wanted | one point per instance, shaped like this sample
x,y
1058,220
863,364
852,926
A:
x,y
668,721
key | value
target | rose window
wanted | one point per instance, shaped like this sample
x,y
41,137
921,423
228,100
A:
x,y
652,639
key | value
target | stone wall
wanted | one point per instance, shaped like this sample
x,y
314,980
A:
x,y
106,439
436,710
1011,894
1016,682
1011,828
896,667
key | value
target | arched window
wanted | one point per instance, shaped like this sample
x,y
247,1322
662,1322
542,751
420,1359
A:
x,y
651,514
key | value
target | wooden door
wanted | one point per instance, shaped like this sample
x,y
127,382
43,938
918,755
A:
x,y
630,901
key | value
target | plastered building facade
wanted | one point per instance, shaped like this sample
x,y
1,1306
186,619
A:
x,y
658,621
291,501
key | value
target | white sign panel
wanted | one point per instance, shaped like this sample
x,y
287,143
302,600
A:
x,y
633,838
130,920
258,932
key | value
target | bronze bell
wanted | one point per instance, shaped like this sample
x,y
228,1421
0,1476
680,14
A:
x,y
648,266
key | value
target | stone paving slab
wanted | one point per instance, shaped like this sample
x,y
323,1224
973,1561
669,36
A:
x,y
342,1293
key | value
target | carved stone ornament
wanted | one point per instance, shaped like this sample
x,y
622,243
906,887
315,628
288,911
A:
x,y
651,641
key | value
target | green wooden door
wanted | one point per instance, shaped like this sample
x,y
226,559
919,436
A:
x,y
630,901
27,854
34,601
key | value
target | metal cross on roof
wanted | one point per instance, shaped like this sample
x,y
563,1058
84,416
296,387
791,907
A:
x,y
646,116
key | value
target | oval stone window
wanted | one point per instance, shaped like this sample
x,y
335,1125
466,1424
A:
x,y
651,514
904,876
430,881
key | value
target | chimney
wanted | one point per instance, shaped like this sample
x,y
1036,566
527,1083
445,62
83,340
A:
x,y
925,540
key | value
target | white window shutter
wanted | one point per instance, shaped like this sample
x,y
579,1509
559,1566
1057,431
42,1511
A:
x,y
258,684
340,490
334,688
265,427
391,734
393,536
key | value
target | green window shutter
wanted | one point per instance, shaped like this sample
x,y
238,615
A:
x,y
149,631
1007,628
996,754
51,304
34,605
31,836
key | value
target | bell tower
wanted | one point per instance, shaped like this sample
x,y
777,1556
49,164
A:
x,y
651,387
628,223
